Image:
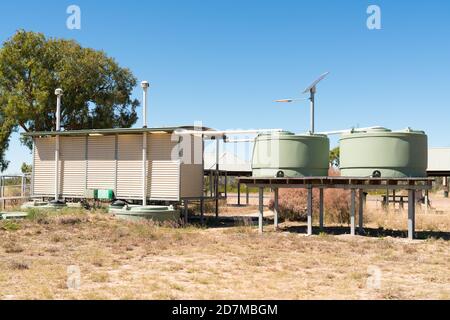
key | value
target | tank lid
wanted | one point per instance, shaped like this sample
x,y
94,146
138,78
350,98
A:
x,y
373,130
280,133
410,130
291,134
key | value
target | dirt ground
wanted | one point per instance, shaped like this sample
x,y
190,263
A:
x,y
79,255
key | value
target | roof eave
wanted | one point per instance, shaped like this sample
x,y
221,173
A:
x,y
105,132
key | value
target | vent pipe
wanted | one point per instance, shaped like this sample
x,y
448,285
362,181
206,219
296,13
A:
x,y
58,93
145,85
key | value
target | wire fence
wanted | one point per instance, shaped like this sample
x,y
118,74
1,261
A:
x,y
14,190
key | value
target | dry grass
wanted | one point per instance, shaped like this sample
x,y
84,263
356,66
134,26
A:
x,y
129,260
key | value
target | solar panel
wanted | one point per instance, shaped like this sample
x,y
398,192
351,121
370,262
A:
x,y
313,85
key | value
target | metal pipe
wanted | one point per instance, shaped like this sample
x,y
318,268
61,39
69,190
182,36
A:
x,y
216,133
411,213
58,93
352,212
144,169
239,140
261,210
216,180
145,85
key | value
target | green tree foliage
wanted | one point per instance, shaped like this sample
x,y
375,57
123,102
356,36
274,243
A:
x,y
5,132
96,89
335,157
26,168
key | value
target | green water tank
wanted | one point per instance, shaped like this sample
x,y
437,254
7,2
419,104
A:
x,y
385,153
285,154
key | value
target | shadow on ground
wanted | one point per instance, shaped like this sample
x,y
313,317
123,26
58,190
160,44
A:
x,y
370,232
228,222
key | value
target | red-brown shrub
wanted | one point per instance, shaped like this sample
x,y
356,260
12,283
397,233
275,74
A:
x,y
293,203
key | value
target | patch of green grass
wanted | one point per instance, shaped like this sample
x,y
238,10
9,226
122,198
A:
x,y
9,225
36,214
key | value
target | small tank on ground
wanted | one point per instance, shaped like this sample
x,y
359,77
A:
x,y
384,153
136,212
285,154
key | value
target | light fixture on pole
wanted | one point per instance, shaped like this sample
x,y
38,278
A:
x,y
312,89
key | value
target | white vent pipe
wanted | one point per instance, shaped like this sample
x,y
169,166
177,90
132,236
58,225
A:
x,y
145,85
215,133
58,93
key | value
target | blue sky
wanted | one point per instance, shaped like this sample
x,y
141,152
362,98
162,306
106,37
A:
x,y
224,61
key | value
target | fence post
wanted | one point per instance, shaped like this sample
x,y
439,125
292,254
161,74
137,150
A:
x,y
22,192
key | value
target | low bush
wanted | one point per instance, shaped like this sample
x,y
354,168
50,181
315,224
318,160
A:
x,y
293,204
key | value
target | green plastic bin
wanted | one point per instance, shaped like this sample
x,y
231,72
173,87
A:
x,y
106,194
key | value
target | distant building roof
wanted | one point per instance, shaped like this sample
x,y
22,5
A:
x,y
228,162
439,162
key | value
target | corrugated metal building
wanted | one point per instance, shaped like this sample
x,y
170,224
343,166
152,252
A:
x,y
439,162
113,159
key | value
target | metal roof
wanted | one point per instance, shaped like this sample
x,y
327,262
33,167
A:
x,y
111,131
228,162
439,162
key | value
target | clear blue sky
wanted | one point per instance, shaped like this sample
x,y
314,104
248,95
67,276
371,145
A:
x,y
224,61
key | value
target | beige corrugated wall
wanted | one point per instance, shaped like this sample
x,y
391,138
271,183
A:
x,y
73,166
164,181
163,177
129,166
160,147
44,166
101,162
167,178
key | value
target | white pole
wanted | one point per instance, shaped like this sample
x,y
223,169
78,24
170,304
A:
x,y
58,93
144,170
216,180
145,85
352,212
